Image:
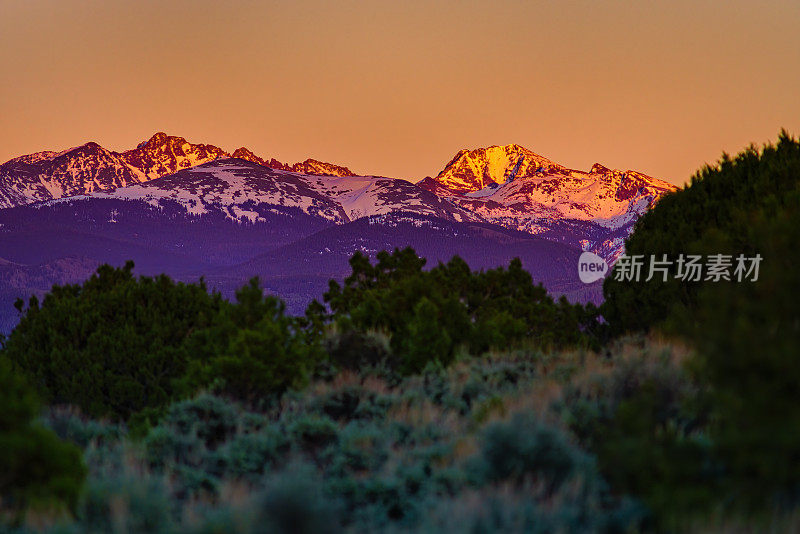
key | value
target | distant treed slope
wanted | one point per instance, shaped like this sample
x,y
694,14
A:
x,y
301,270
22,281
295,253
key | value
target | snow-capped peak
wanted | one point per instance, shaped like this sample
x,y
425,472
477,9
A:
x,y
473,170
517,188
165,154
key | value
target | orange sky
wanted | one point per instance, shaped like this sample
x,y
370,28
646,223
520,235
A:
x,y
396,88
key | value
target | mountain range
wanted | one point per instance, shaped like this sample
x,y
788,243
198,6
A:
x,y
195,210
90,168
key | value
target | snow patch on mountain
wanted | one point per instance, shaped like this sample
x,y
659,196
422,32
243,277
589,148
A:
x,y
245,192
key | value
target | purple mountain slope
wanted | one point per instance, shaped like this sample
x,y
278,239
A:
x,y
294,254
192,210
300,271
23,281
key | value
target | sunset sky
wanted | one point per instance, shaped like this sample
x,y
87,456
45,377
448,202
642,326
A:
x,y
396,88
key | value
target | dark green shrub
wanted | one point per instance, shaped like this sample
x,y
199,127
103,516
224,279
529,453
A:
x,y
523,449
425,339
113,345
715,214
645,423
36,468
374,502
194,482
210,418
351,402
250,455
746,334
194,437
361,448
313,432
125,504
491,510
254,350
593,400
119,346
643,452
748,341
165,447
71,425
293,503
222,520
429,314
188,443
356,350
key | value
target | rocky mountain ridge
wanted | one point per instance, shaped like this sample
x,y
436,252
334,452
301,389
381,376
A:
x,y
509,186
90,168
